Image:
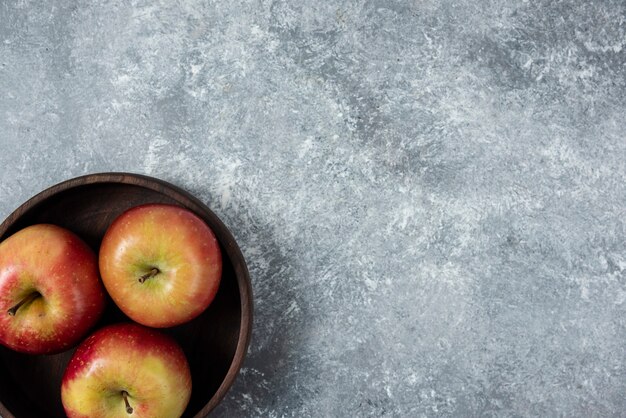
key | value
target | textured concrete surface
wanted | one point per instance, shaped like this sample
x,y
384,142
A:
x,y
430,194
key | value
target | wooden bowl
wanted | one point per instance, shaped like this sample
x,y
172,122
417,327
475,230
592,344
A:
x,y
215,343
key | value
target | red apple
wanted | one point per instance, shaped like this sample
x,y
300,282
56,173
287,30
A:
x,y
161,264
50,292
126,370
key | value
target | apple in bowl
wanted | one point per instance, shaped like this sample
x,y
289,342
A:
x,y
50,291
161,264
126,370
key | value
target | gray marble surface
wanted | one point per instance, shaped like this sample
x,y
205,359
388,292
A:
x,y
430,194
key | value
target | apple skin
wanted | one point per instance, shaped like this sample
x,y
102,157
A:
x,y
58,265
178,244
148,365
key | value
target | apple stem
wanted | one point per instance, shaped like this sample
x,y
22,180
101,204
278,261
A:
x,y
146,276
129,409
28,299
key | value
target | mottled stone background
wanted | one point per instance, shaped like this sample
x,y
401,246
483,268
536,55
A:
x,y
430,194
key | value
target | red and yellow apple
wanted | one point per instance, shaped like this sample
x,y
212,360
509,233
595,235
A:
x,y
50,292
126,370
161,264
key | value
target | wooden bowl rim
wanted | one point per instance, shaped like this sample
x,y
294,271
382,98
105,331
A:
x,y
229,244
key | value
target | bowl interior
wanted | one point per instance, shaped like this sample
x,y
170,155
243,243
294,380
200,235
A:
x,y
30,385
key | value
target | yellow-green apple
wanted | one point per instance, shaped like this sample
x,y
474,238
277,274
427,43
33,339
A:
x,y
126,370
161,264
50,291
